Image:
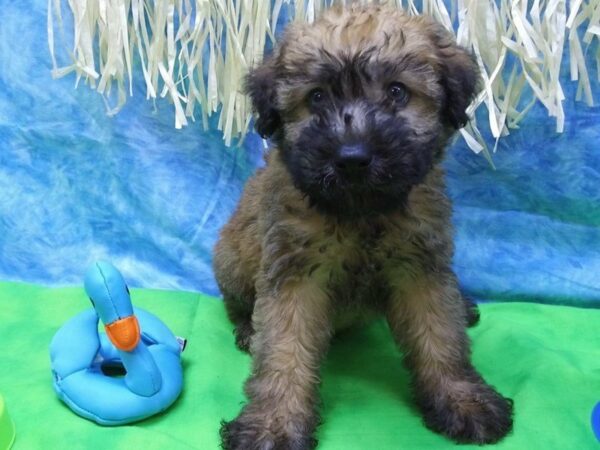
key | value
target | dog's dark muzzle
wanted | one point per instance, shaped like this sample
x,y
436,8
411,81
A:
x,y
353,161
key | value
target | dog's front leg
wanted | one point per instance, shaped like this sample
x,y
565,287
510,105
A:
x,y
292,333
427,318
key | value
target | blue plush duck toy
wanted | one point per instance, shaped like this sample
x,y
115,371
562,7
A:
x,y
128,373
596,420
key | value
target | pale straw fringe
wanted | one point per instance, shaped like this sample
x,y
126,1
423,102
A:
x,y
171,37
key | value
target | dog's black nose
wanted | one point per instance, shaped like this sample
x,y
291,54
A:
x,y
353,158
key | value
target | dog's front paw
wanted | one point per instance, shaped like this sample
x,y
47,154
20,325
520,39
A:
x,y
252,432
238,435
469,413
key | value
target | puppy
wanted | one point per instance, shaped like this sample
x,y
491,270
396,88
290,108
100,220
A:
x,y
349,220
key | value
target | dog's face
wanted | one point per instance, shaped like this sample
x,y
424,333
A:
x,y
361,105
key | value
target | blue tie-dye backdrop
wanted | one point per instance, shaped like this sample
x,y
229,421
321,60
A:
x,y
76,185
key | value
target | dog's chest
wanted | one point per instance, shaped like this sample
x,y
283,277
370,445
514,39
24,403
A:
x,y
352,262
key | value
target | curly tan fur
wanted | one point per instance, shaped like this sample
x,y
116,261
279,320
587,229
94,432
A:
x,y
300,259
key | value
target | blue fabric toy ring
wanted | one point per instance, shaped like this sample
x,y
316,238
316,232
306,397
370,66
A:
x,y
136,343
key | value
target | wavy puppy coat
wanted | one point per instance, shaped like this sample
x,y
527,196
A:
x,y
349,219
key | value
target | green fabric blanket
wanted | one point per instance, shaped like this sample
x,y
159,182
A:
x,y
547,358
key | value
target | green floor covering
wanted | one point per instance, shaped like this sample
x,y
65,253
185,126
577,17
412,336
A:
x,y
547,358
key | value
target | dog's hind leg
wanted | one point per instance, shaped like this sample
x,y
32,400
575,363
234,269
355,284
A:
x,y
239,310
473,314
235,278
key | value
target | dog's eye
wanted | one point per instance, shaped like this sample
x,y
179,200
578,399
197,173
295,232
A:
x,y
398,93
316,97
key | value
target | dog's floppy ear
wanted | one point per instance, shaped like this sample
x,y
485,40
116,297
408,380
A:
x,y
260,86
460,77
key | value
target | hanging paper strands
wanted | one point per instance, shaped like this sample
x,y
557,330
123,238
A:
x,y
196,52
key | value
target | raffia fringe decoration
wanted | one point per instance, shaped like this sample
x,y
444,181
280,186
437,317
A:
x,y
196,52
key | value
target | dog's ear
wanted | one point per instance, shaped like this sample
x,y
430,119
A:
x,y
460,77
260,86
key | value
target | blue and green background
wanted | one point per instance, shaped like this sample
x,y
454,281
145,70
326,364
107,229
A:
x,y
77,186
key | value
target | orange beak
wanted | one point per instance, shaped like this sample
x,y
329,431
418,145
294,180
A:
x,y
124,333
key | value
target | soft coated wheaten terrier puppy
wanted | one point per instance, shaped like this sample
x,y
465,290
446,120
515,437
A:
x,y
349,219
